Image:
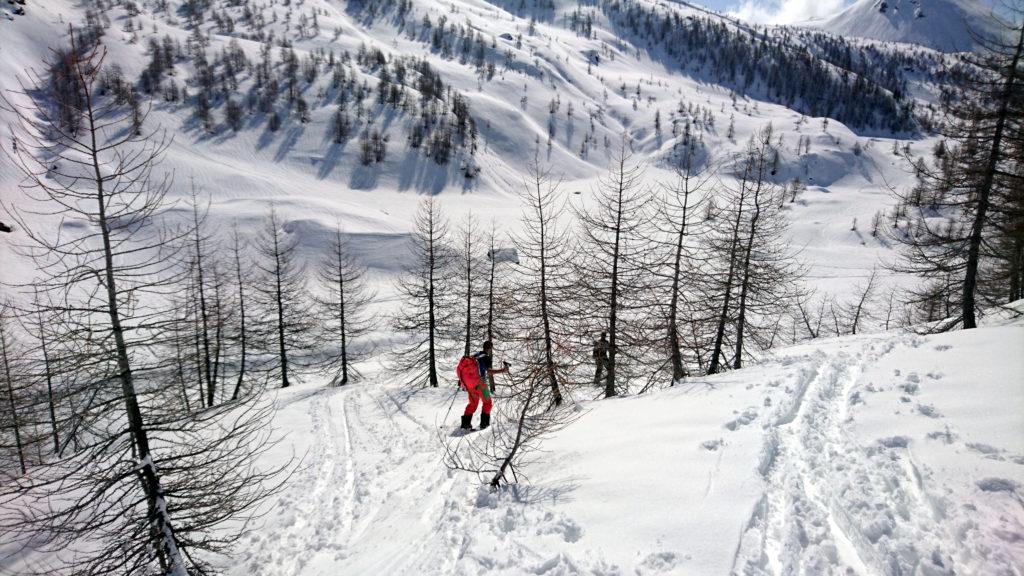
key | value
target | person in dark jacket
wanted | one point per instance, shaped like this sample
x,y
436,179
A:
x,y
600,357
486,371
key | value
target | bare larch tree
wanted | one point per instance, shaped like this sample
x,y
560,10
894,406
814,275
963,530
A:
x,y
543,315
611,267
346,299
146,487
283,302
428,312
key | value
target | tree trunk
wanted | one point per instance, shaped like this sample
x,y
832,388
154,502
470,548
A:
x,y
613,303
280,314
241,314
165,543
678,373
723,317
203,312
341,317
741,318
469,301
48,373
985,190
431,320
549,356
490,294
14,406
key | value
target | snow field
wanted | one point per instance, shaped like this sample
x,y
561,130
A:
x,y
820,460
880,454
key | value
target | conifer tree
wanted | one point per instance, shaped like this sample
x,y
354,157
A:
x,y
345,303
611,267
283,302
429,311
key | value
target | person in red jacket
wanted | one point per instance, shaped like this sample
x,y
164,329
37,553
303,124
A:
x,y
474,372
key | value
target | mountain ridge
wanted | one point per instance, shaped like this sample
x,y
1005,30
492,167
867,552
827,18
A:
x,y
944,25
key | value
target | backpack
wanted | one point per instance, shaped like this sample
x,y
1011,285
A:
x,y
468,372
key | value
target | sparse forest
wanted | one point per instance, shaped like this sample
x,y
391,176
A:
x,y
712,289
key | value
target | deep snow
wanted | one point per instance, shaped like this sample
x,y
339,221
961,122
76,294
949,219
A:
x,y
883,454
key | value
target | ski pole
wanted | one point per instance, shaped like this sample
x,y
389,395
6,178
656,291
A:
x,y
451,404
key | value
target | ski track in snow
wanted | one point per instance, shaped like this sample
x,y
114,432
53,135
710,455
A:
x,y
373,496
374,471
832,506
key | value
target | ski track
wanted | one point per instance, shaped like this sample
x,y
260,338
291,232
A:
x,y
832,506
299,513
355,485
833,503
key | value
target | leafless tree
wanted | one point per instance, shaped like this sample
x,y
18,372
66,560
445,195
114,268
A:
x,y
428,312
860,309
499,286
209,302
470,290
14,388
611,267
965,214
283,301
676,229
543,284
147,487
345,302
754,281
240,334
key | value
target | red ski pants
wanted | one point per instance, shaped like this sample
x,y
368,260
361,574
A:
x,y
475,394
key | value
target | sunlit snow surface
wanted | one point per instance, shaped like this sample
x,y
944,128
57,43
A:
x,y
882,454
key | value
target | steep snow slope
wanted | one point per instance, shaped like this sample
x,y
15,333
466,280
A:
x,y
317,183
946,25
871,455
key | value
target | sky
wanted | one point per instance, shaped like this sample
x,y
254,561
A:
x,y
780,11
777,11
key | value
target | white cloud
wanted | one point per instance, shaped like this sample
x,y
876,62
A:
x,y
786,11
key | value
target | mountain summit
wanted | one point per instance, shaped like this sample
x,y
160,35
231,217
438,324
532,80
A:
x,y
946,25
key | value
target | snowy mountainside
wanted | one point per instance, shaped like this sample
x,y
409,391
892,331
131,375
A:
x,y
878,454
946,25
884,453
548,80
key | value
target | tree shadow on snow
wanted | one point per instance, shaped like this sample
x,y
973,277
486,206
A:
x,y
292,135
306,395
331,159
422,174
558,491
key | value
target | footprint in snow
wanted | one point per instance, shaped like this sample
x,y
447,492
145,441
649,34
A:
x,y
997,485
946,436
661,561
712,445
742,420
894,442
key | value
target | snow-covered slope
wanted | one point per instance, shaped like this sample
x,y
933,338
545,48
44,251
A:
x,y
587,93
887,454
946,25
870,455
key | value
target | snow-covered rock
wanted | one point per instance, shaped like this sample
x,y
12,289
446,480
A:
x,y
946,25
